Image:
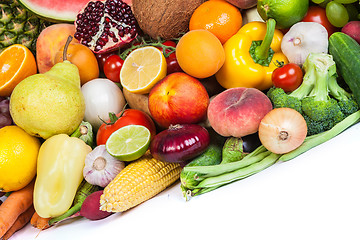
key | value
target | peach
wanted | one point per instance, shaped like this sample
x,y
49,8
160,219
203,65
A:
x,y
178,99
49,41
238,111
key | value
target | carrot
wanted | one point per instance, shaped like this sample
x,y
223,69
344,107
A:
x,y
20,222
39,222
17,203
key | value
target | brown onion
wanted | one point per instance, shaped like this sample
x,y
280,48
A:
x,y
282,130
180,143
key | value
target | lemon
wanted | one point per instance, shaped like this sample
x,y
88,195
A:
x,y
128,143
285,12
18,158
142,69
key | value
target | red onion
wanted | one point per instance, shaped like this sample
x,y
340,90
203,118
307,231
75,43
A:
x,y
180,143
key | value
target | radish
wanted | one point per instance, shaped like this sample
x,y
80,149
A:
x,y
352,29
90,208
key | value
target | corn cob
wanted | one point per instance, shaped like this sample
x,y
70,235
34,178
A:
x,y
137,182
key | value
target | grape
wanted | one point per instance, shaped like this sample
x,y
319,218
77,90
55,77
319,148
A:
x,y
337,14
345,1
5,117
317,1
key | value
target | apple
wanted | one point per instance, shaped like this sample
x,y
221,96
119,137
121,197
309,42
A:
x,y
178,99
238,111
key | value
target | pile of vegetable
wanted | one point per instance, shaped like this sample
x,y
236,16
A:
x,y
216,112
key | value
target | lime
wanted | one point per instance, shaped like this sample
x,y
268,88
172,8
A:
x,y
285,12
129,142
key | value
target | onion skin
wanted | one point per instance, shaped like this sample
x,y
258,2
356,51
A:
x,y
282,130
180,143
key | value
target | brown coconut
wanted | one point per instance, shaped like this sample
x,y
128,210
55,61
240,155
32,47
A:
x,y
166,19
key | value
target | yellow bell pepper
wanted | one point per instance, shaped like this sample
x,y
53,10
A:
x,y
251,56
60,166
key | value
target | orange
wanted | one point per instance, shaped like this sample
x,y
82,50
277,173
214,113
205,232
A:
x,y
83,58
16,63
219,17
200,53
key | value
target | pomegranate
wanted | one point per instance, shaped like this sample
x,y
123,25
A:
x,y
104,25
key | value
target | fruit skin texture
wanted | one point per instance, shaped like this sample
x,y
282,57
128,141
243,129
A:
x,y
50,103
237,112
50,40
19,26
200,53
352,29
178,99
219,17
164,18
18,158
83,58
285,12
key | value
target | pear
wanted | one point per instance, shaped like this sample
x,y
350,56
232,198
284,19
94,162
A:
x,y
49,103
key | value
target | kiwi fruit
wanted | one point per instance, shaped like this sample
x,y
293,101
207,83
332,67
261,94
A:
x,y
166,19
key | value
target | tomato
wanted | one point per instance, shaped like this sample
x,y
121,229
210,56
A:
x,y
288,77
101,58
318,14
112,67
172,63
126,117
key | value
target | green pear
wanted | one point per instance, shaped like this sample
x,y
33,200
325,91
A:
x,y
50,103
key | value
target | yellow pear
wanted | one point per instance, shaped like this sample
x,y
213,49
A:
x,y
50,103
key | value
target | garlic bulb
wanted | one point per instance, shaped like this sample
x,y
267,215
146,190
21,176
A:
x,y
304,38
100,167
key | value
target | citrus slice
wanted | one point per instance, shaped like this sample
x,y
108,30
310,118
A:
x,y
142,69
129,142
16,63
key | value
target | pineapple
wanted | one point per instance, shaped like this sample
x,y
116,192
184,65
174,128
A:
x,y
18,25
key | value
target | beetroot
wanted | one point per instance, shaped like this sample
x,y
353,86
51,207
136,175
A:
x,y
352,29
105,25
90,208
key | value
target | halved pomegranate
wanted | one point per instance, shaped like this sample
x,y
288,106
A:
x,y
104,25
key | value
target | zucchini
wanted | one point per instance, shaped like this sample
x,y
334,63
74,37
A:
x,y
346,54
211,156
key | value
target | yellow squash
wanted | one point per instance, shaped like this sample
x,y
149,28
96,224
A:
x,y
60,166
251,56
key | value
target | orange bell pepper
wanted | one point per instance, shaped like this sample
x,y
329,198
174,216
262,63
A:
x,y
251,56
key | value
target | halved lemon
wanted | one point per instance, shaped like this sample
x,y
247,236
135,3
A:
x,y
16,63
129,142
142,69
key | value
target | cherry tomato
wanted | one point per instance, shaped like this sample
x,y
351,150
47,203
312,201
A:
x,y
288,77
318,14
172,63
101,58
112,67
127,117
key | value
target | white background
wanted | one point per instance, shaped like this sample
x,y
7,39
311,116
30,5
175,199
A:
x,y
314,196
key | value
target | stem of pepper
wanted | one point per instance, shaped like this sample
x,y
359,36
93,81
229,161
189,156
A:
x,y
262,51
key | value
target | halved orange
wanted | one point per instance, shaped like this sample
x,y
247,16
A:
x,y
16,63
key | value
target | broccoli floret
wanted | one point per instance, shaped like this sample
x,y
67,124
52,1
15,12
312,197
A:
x,y
346,100
321,101
280,98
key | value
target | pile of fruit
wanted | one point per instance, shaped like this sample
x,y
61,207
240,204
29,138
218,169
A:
x,y
106,103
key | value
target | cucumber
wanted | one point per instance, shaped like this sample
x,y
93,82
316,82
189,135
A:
x,y
346,51
211,156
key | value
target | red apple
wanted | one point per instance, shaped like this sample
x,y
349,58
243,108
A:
x,y
178,99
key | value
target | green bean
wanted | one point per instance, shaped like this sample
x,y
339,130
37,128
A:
x,y
240,173
210,171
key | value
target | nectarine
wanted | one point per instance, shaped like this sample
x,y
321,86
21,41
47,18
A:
x,y
178,99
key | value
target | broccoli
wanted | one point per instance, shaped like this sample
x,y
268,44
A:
x,y
320,99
